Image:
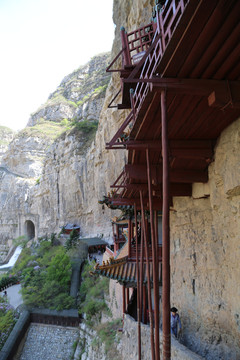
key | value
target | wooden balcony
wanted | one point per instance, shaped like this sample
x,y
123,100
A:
x,y
119,238
133,253
142,50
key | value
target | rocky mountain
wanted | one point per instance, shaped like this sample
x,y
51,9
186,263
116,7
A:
x,y
45,177
6,136
80,94
57,168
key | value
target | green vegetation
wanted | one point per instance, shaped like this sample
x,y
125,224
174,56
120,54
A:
x,y
6,129
38,180
45,273
58,98
8,318
5,132
43,129
100,89
92,296
65,123
21,241
73,240
86,126
6,281
4,142
108,334
83,100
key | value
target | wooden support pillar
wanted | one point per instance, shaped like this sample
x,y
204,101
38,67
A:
x,y
129,236
138,285
141,271
126,55
148,278
127,294
166,234
154,261
144,304
124,299
157,256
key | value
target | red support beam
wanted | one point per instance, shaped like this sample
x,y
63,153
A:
x,y
165,234
154,265
148,278
141,276
224,90
139,172
144,304
129,235
127,295
157,203
124,299
138,285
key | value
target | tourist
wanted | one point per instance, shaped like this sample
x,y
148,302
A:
x,y
176,326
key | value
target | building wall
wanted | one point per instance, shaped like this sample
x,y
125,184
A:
x,y
205,253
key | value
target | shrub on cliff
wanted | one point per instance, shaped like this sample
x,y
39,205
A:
x,y
93,291
86,126
8,318
45,273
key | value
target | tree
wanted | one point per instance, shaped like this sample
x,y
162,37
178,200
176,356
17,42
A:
x,y
60,269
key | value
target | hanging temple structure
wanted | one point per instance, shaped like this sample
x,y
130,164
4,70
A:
x,y
179,78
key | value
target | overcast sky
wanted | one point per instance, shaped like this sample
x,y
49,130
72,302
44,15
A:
x,y
41,42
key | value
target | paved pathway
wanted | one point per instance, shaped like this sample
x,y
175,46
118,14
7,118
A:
x,y
13,295
48,342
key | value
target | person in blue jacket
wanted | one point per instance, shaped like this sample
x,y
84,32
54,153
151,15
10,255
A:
x,y
176,326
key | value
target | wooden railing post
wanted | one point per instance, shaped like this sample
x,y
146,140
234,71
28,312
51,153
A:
x,y
165,233
126,55
138,285
154,261
148,278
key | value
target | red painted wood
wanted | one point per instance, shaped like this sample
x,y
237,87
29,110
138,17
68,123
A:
x,y
165,235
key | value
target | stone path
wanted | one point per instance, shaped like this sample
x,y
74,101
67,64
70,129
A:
x,y
13,295
49,342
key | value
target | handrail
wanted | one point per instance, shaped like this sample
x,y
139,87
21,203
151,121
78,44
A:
x,y
110,106
167,21
114,60
118,134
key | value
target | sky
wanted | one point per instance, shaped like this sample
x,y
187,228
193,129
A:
x,y
42,41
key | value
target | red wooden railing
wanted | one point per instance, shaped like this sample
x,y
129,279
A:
x,y
133,253
109,251
119,238
134,45
167,22
138,41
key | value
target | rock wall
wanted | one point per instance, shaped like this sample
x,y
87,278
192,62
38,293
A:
x,y
6,136
75,173
205,255
91,347
50,180
130,343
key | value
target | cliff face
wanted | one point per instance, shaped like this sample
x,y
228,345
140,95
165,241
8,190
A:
x,y
205,252
53,181
65,176
48,172
6,136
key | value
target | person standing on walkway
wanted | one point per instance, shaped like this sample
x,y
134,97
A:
x,y
176,326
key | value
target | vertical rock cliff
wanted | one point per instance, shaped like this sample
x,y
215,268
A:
x,y
50,179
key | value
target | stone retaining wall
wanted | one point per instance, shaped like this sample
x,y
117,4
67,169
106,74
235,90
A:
x,y
130,343
14,339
